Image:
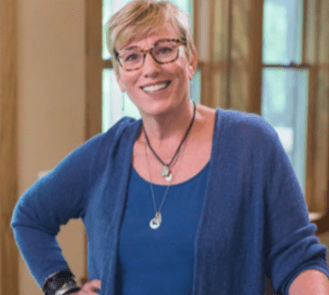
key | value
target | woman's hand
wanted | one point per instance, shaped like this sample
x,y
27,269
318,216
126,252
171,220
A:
x,y
89,288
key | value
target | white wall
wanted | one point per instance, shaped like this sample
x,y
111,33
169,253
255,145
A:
x,y
51,103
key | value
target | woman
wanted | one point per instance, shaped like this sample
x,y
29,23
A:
x,y
187,200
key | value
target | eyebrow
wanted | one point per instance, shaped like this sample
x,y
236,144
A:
x,y
135,46
130,48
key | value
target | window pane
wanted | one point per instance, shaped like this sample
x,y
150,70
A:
x,y
282,31
195,87
284,106
107,11
106,103
115,105
111,6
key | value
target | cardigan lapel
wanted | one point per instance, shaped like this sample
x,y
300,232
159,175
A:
x,y
122,160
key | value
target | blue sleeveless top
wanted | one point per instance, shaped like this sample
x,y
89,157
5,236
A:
x,y
159,261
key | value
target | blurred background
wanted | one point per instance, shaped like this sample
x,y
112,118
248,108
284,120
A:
x,y
57,89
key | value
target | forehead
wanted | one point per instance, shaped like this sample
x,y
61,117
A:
x,y
147,42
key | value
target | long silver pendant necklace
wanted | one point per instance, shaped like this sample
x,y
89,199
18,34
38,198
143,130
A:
x,y
166,172
157,220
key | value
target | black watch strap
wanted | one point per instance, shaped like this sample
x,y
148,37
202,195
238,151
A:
x,y
60,280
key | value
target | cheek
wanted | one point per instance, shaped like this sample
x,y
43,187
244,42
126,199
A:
x,y
127,82
120,80
186,69
121,85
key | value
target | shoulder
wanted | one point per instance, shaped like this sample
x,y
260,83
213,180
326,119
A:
x,y
100,147
124,125
244,127
123,130
245,136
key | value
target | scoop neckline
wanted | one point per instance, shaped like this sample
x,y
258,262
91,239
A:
x,y
176,184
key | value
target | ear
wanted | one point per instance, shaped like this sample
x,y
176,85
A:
x,y
119,79
193,64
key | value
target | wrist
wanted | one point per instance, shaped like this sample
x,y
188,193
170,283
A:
x,y
60,283
67,289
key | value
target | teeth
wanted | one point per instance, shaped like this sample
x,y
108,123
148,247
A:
x,y
155,87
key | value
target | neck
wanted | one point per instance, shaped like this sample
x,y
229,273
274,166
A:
x,y
169,126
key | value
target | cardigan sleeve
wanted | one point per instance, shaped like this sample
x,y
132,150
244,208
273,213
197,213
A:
x,y
48,204
291,244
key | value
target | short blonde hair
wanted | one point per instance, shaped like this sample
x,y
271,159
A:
x,y
140,18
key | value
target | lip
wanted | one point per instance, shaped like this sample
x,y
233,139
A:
x,y
155,83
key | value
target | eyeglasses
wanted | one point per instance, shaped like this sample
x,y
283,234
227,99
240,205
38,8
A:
x,y
163,51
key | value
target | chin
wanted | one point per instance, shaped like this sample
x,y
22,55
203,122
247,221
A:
x,y
157,109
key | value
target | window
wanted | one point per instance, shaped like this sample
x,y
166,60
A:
x,y
285,78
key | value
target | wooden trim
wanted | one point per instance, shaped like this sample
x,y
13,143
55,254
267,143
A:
x,y
196,19
255,56
206,86
229,54
221,65
94,65
291,66
8,145
311,138
211,31
215,65
311,120
211,93
313,40
207,93
326,221
107,64
323,223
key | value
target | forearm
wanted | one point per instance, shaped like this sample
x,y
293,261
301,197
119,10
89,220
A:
x,y
310,282
41,252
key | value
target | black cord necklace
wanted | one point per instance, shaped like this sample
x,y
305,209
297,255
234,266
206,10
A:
x,y
166,173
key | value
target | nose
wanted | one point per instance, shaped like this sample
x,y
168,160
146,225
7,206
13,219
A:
x,y
150,68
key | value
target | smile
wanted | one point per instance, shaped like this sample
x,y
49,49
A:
x,y
157,87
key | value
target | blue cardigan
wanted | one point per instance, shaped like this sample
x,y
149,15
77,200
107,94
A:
x,y
253,222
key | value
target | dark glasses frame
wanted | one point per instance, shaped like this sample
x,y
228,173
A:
x,y
178,41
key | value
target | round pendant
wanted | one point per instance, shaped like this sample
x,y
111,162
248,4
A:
x,y
165,171
168,177
156,221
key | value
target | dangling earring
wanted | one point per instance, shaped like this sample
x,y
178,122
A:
x,y
123,102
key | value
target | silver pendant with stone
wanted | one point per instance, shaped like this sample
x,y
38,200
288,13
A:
x,y
168,177
166,173
156,221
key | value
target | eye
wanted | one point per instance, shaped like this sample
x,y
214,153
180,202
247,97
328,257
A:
x,y
165,50
132,57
